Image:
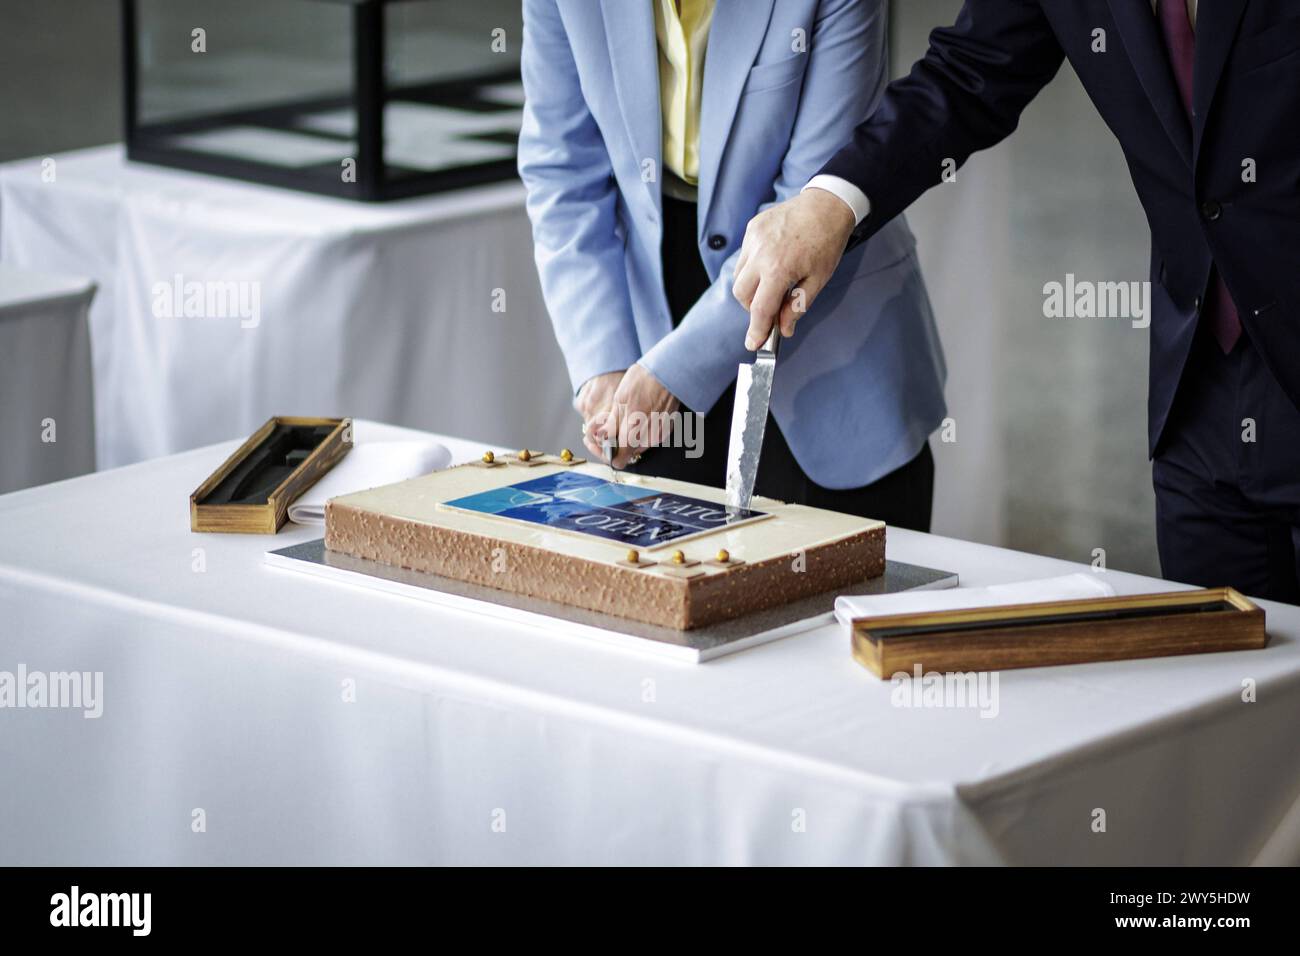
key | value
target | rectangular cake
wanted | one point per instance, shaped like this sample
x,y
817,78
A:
x,y
650,549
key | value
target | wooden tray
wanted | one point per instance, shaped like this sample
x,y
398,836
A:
x,y
1059,632
270,510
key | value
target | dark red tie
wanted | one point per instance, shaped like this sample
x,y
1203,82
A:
x,y
1180,41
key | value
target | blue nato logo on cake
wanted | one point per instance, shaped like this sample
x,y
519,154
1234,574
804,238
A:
x,y
631,515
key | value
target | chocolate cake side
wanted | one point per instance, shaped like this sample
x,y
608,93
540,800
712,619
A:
x,y
641,594
507,566
774,582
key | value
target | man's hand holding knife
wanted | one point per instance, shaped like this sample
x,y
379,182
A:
x,y
789,253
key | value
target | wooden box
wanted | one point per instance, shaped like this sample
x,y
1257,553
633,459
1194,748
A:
x,y
1059,632
252,490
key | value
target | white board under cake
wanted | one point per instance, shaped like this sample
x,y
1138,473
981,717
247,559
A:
x,y
563,622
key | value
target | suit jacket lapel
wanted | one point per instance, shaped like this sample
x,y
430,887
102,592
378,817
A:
x,y
634,60
1146,51
735,35
1216,29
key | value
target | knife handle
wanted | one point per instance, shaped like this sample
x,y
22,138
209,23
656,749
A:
x,y
773,340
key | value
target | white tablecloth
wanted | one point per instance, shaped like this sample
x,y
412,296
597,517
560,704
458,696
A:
x,y
477,741
385,311
47,428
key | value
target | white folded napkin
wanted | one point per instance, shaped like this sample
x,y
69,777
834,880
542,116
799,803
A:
x,y
369,465
1069,587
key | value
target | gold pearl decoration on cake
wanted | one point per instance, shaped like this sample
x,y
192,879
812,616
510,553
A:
x,y
488,458
529,458
633,559
723,556
680,566
565,459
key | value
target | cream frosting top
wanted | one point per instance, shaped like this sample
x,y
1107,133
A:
x,y
785,530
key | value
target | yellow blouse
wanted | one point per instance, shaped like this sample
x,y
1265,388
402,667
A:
x,y
683,36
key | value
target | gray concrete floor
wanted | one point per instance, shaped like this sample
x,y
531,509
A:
x,y
1050,452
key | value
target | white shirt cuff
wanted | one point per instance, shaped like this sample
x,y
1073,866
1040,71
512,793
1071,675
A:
x,y
851,195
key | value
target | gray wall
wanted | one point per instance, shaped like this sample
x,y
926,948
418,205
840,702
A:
x,y
1050,451
61,75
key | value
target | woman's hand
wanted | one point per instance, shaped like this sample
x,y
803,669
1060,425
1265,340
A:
x,y
639,416
593,404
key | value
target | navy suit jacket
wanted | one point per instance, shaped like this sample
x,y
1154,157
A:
x,y
968,91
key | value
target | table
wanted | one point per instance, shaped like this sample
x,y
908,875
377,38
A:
x,y
47,429
303,722
223,303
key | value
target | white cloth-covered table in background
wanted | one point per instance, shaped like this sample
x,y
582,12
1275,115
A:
x,y
47,427
389,311
310,722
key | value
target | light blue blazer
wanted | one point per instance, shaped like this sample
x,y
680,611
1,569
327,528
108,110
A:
x,y
859,387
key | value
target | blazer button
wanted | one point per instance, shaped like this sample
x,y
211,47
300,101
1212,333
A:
x,y
1211,210
717,242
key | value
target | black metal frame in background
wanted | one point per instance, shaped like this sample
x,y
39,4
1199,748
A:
x,y
368,87
374,183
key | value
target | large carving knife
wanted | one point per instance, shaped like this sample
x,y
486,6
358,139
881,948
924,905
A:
x,y
749,420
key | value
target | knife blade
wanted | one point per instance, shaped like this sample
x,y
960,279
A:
x,y
749,421
609,448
